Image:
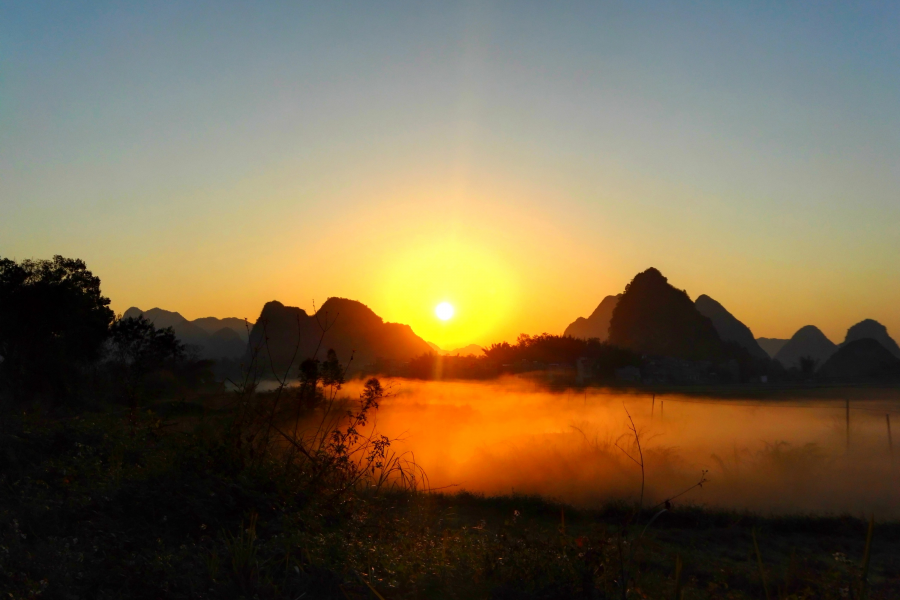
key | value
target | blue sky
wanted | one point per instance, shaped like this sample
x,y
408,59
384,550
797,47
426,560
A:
x,y
207,157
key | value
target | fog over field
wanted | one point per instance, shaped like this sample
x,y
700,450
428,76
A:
x,y
779,456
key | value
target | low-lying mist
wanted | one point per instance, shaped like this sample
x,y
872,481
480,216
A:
x,y
774,456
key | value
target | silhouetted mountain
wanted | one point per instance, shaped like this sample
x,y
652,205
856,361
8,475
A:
x,y
771,345
211,325
872,329
728,327
351,328
186,331
808,341
654,318
864,359
470,350
223,342
596,325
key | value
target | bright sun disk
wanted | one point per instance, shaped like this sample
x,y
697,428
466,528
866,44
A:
x,y
443,311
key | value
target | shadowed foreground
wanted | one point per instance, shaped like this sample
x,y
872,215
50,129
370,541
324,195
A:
x,y
163,505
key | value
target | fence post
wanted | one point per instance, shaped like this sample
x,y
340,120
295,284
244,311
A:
x,y
847,400
887,418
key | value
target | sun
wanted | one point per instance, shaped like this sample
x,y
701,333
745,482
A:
x,y
444,311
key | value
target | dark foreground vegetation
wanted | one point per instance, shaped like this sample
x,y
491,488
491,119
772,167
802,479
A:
x,y
124,473
173,503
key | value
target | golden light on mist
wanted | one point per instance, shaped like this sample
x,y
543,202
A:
x,y
512,434
444,311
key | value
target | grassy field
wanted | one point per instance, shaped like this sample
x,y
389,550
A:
x,y
161,504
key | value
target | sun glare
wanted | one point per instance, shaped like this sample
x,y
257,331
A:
x,y
479,286
444,311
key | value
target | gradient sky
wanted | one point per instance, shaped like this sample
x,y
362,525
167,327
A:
x,y
519,160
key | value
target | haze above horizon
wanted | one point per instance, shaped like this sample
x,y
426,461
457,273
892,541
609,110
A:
x,y
519,162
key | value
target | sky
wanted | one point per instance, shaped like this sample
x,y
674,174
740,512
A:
x,y
518,160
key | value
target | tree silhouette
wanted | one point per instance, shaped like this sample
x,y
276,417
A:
x,y
53,323
808,365
316,377
139,349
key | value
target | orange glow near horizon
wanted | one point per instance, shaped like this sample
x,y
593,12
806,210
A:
x,y
482,287
506,267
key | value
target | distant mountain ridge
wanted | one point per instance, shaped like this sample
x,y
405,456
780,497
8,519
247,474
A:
x,y
214,338
657,319
728,327
861,359
471,349
771,345
809,341
350,328
596,325
212,325
872,329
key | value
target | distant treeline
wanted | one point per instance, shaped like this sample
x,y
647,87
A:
x,y
550,349
528,353
587,361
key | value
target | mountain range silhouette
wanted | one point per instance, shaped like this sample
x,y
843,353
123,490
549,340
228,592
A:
x,y
346,326
808,342
872,329
652,317
862,359
728,327
596,325
658,321
212,338
470,350
771,345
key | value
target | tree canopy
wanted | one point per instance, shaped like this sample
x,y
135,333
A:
x,y
53,321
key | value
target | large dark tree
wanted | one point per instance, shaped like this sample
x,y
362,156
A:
x,y
657,319
53,322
